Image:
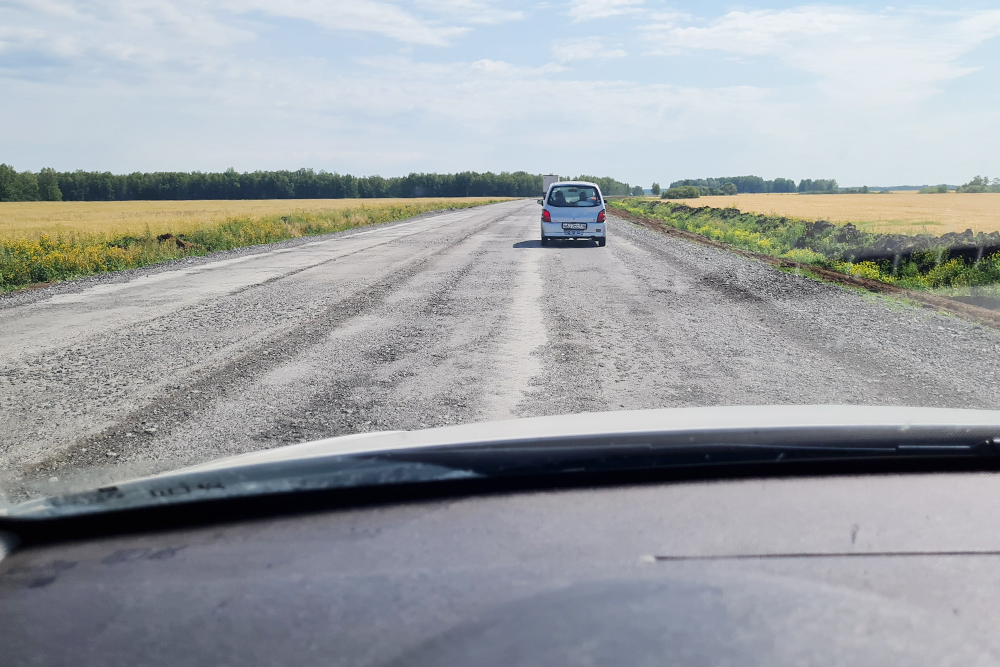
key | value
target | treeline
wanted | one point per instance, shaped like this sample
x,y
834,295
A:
x,y
741,183
819,185
864,190
28,186
755,184
612,188
52,185
980,184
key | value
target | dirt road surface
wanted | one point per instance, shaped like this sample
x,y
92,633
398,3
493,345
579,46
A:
x,y
448,318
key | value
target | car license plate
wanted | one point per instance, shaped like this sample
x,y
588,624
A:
x,y
574,225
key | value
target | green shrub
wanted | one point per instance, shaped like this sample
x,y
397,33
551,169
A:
x,y
681,192
804,256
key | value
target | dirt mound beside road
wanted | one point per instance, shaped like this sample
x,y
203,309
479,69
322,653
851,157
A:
x,y
865,246
181,243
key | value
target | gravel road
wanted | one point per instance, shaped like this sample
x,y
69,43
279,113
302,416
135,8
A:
x,y
448,318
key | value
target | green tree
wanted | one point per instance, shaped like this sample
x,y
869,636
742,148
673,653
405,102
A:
x,y
818,185
729,188
655,189
716,186
16,186
783,185
48,185
611,187
27,185
980,184
9,186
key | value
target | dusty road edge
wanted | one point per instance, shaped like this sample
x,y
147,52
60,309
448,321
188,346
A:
x,y
32,292
976,314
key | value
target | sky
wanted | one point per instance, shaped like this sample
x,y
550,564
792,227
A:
x,y
641,90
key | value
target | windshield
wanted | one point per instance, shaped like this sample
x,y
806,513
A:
x,y
574,195
230,228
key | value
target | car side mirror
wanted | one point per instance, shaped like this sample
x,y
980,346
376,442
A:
x,y
541,202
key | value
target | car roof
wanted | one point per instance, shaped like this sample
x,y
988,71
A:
x,y
575,183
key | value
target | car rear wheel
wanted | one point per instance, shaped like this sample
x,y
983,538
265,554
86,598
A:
x,y
545,240
601,242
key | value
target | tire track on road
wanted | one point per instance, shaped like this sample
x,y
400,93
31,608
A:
x,y
127,437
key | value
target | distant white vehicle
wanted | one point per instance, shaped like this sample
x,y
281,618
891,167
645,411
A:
x,y
547,180
574,210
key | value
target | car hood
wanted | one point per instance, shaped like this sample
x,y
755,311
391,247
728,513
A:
x,y
590,443
764,421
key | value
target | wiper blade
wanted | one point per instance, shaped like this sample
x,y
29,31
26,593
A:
x,y
338,472
770,437
509,460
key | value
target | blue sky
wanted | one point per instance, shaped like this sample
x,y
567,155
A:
x,y
641,90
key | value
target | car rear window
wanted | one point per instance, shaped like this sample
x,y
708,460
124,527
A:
x,y
574,195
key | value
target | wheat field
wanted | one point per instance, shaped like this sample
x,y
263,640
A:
x,y
30,219
901,212
44,242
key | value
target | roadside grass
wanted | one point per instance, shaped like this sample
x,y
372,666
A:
x,y
895,301
901,226
71,253
827,246
803,273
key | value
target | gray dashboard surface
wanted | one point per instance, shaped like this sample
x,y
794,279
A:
x,y
876,570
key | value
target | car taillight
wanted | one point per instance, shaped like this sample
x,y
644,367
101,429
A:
x,y
601,217
545,216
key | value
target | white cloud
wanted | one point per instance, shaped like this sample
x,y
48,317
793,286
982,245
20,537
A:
x,y
102,33
486,99
583,48
887,57
471,11
588,10
381,18
662,20
159,29
483,114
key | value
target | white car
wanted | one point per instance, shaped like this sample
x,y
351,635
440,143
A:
x,y
574,210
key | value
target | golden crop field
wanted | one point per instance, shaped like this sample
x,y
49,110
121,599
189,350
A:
x,y
898,213
49,241
29,219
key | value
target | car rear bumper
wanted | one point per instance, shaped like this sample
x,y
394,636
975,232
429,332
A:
x,y
554,230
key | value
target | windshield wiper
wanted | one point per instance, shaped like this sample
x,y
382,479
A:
x,y
765,439
338,472
605,457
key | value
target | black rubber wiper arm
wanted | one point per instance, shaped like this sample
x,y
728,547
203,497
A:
x,y
513,459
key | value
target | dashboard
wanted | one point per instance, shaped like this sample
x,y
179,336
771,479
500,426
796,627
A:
x,y
861,570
